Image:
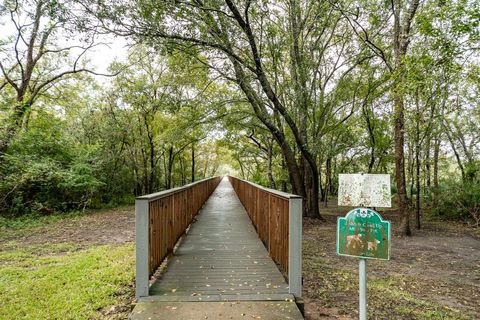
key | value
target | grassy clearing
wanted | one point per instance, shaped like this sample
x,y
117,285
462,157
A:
x,y
389,297
61,281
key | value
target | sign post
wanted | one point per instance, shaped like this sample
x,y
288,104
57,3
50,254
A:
x,y
362,232
362,275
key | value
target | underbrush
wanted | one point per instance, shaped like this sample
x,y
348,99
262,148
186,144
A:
x,y
458,201
45,171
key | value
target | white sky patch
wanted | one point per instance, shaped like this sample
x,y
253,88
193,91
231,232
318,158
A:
x,y
97,59
114,49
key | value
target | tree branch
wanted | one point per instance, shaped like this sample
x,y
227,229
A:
x,y
9,80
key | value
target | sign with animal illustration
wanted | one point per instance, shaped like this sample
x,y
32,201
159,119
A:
x,y
363,233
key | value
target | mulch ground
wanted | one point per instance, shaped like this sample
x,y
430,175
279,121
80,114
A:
x,y
439,265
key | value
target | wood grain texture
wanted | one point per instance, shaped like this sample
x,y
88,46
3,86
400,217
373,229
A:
x,y
269,213
170,215
221,256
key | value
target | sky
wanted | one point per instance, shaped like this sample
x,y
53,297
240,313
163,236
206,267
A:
x,y
100,57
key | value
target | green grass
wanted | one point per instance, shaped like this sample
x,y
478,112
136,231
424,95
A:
x,y
59,281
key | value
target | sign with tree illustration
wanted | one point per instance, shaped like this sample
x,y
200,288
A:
x,y
363,233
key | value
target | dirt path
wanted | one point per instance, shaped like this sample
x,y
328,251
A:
x,y
108,226
434,274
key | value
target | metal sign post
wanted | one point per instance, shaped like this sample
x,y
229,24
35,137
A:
x,y
362,272
362,232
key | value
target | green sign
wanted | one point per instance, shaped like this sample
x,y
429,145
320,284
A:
x,y
363,233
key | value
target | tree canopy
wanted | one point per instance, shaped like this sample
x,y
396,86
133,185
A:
x,y
286,93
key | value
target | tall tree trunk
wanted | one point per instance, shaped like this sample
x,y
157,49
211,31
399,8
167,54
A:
x,y
193,162
371,135
271,182
258,104
417,163
399,117
322,190
145,171
242,170
328,179
401,33
417,179
168,174
182,170
205,168
410,179
284,183
436,154
428,166
298,70
333,186
311,201
151,182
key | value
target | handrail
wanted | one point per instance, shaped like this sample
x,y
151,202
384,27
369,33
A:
x,y
164,193
161,218
275,192
277,217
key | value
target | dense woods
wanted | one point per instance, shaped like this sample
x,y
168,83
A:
x,y
285,93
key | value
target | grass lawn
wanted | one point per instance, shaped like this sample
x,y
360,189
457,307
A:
x,y
62,280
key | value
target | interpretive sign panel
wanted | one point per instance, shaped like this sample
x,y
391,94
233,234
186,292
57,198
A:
x,y
365,190
363,233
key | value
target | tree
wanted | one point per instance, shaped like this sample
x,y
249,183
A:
x,y
33,59
403,18
247,45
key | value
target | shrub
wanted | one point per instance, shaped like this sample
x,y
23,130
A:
x,y
44,172
459,201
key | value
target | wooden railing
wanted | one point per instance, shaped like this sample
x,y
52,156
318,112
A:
x,y
160,220
277,216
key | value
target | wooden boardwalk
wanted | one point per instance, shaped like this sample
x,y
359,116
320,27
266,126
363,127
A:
x,y
220,259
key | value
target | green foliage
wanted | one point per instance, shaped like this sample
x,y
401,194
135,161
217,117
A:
x,y
44,172
81,144
459,200
93,148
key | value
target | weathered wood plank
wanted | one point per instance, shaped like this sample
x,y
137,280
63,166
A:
x,y
227,309
221,255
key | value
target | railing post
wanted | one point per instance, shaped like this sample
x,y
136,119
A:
x,y
295,246
142,247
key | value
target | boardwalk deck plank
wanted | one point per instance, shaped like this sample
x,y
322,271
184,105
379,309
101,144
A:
x,y
221,253
221,270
